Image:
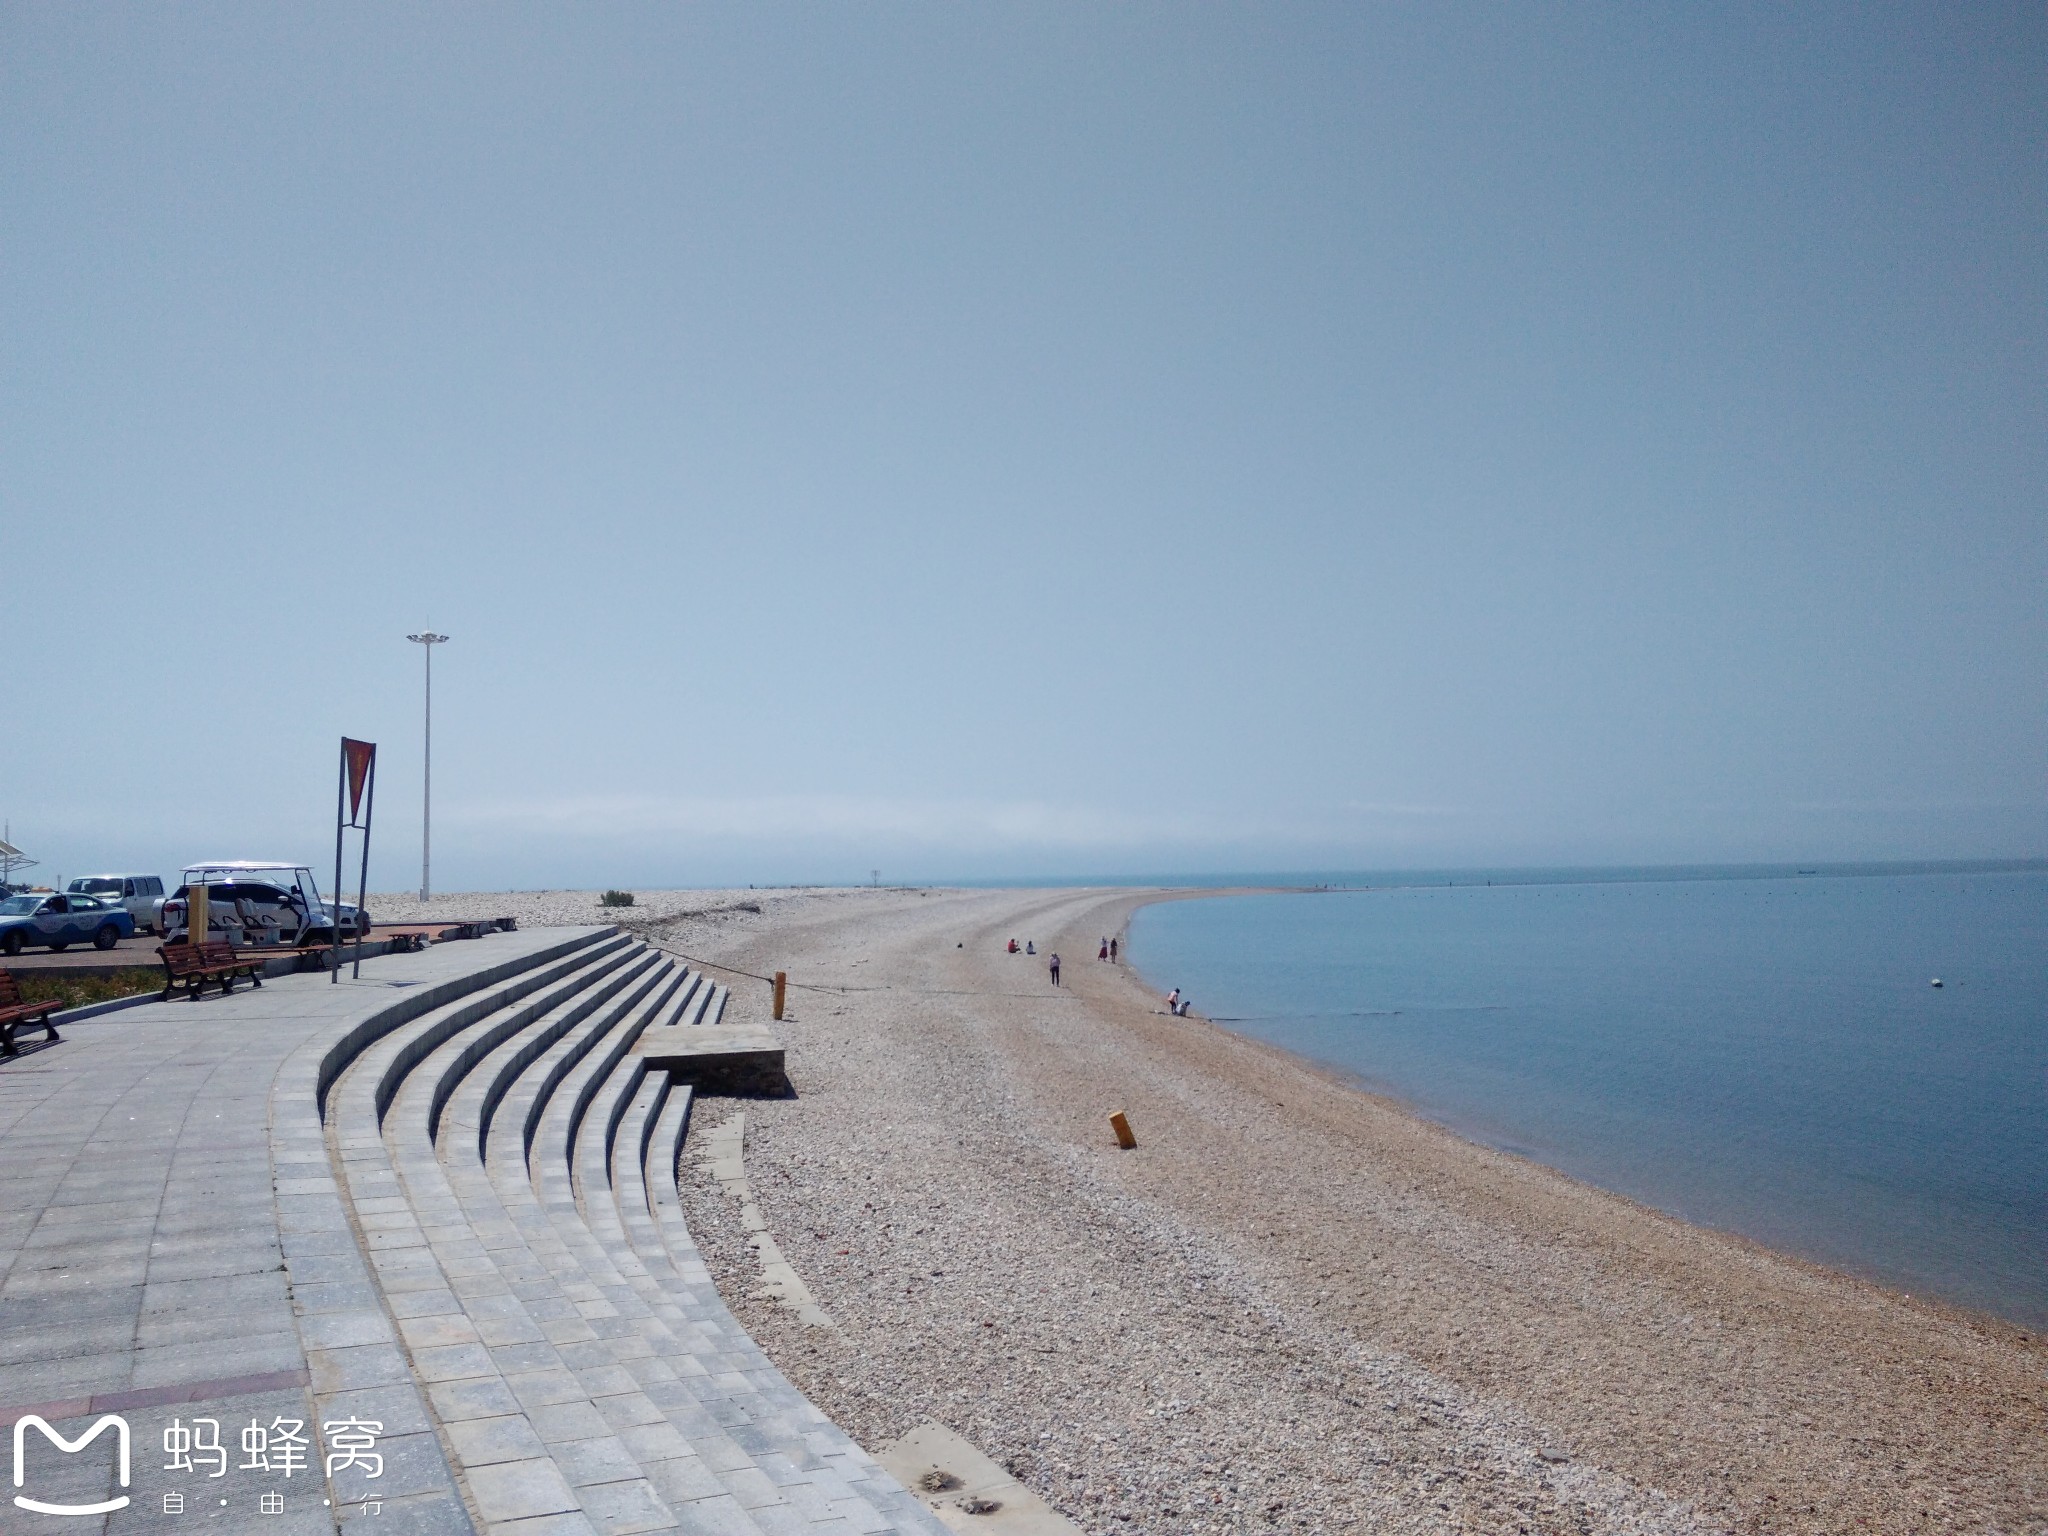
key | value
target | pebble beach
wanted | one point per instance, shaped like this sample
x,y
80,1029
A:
x,y
1293,1305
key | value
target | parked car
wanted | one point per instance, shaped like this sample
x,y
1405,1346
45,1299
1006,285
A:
x,y
142,895
60,920
255,903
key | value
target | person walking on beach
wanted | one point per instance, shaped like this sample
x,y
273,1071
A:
x,y
1055,967
1173,1001
1103,953
1112,950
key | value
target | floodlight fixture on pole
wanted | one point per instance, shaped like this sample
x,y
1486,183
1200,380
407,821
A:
x,y
429,640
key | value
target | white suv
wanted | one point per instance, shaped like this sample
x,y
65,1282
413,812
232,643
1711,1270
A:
x,y
259,904
142,895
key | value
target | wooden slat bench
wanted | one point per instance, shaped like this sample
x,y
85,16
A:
x,y
194,965
14,1013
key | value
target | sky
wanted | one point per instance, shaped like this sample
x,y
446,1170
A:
x,y
991,441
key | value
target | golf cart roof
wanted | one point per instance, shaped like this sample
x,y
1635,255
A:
x,y
243,867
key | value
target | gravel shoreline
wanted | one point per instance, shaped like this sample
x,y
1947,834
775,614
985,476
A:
x,y
1294,1306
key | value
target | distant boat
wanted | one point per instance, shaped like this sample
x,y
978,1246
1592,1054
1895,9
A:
x,y
1936,981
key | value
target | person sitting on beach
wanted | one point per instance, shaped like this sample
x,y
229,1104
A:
x,y
1055,965
1182,1010
1030,948
1013,946
1173,1001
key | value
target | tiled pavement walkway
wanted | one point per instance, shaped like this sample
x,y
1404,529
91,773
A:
x,y
234,1222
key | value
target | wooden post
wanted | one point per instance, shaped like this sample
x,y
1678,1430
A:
x,y
1122,1127
196,913
781,987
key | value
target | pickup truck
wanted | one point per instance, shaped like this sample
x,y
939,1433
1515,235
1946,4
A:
x,y
142,895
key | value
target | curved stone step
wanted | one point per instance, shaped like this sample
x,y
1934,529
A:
x,y
644,1183
615,1053
582,1379
625,1153
356,1364
704,1005
561,1064
648,1202
591,1177
384,1064
629,1164
473,1102
609,1342
539,1094
360,1095
425,1254
313,1078
521,1082
581,994
506,1390
663,1158
714,1011
443,1089
688,998
761,1438
575,1126
788,1437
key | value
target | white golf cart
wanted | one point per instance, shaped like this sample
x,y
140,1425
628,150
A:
x,y
256,905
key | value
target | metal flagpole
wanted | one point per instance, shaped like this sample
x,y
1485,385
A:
x,y
428,639
334,912
363,874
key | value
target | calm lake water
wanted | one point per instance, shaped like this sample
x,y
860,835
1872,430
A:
x,y
1761,1055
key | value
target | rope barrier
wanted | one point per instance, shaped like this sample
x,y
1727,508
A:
x,y
1061,995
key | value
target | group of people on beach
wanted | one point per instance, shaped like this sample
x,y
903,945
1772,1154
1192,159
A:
x,y
1107,952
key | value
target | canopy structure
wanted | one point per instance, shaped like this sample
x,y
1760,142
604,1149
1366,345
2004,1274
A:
x,y
11,859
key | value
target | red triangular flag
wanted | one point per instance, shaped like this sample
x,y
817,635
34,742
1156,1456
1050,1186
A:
x,y
360,755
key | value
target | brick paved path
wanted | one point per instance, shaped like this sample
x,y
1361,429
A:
x,y
140,1255
211,1227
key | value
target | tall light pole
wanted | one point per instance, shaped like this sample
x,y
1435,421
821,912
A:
x,y
429,640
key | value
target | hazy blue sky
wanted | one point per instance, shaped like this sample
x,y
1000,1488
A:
x,y
980,440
